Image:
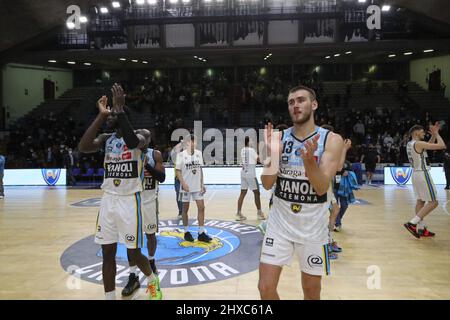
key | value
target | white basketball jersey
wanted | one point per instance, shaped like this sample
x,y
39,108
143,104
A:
x,y
190,166
297,208
418,161
124,173
150,192
249,158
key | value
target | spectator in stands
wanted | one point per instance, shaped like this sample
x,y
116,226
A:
x,y
69,164
359,130
370,158
2,169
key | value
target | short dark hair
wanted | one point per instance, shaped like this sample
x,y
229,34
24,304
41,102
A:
x,y
282,127
328,127
312,93
247,141
414,128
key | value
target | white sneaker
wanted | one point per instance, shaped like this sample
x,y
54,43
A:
x,y
261,216
240,217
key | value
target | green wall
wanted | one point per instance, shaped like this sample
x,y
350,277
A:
x,y
17,79
418,71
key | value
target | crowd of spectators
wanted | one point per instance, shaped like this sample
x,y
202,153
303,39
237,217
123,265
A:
x,y
51,141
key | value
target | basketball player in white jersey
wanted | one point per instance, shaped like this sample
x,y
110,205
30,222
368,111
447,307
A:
x,y
120,215
249,159
302,162
423,185
154,174
190,173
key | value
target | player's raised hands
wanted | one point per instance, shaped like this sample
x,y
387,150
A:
x,y
272,140
307,152
434,129
102,105
347,144
118,97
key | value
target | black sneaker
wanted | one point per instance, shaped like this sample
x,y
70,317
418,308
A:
x,y
412,228
204,237
153,266
188,237
132,285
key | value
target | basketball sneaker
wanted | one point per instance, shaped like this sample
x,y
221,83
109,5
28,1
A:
x,y
262,227
240,217
203,237
261,216
188,237
337,228
132,285
412,228
426,233
333,256
335,248
154,290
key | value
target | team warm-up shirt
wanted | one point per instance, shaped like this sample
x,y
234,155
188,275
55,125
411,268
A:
x,y
418,161
150,192
249,159
124,174
297,209
190,166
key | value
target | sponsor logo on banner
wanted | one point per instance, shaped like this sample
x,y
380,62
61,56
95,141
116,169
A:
x,y
401,175
51,176
233,251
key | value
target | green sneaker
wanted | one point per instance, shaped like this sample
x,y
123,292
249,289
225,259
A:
x,y
262,227
154,290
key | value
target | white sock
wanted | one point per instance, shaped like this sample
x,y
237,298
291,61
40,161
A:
x,y
201,229
133,269
239,213
421,225
186,228
150,278
151,257
260,212
110,295
415,220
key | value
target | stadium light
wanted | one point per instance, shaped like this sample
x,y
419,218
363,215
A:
x,y
104,10
348,52
116,4
83,19
327,57
134,60
386,8
186,1
87,63
428,50
207,1
140,2
52,61
70,25
71,62
144,62
408,53
362,1
392,55
122,59
151,2
173,1
337,55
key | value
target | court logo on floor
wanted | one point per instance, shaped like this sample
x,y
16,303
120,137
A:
x,y
233,251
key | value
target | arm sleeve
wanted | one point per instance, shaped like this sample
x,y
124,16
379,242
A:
x,y
129,136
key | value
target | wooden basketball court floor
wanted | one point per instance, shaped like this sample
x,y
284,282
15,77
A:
x,y
38,223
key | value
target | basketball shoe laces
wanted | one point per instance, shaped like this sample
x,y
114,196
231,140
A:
x,y
152,288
